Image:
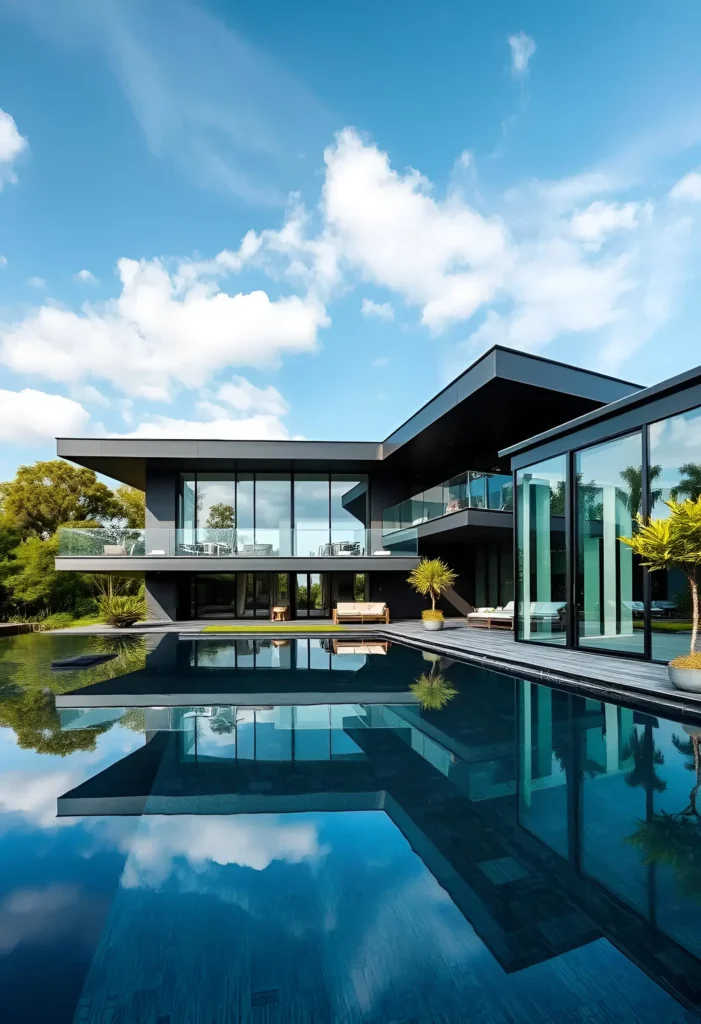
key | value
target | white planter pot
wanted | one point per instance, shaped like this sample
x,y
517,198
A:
x,y
433,623
688,679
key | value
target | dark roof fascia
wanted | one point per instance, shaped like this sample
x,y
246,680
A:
x,y
162,448
606,412
510,364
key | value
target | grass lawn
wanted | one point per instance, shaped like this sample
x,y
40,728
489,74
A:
x,y
273,628
666,627
86,620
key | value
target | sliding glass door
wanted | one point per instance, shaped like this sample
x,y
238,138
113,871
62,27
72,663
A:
x,y
312,595
609,590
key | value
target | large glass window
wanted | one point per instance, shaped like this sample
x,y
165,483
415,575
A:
x,y
542,592
609,581
675,472
216,501
273,513
312,511
244,512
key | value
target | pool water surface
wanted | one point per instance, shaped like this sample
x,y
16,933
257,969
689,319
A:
x,y
287,830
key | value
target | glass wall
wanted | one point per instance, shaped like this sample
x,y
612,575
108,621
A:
x,y
674,472
541,550
468,490
312,514
254,512
609,594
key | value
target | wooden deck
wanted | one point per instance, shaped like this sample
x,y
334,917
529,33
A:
x,y
606,677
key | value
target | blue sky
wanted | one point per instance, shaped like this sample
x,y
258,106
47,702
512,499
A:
x,y
304,219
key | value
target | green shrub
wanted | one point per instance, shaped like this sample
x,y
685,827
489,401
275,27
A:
x,y
85,606
59,620
121,609
432,615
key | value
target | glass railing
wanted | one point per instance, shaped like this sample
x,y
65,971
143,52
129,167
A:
x,y
468,490
339,541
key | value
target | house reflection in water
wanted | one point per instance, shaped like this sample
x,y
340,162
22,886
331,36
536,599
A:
x,y
520,800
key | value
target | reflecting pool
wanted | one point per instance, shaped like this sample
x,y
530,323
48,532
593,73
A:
x,y
336,831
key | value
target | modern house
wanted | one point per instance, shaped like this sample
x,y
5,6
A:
x,y
236,527
578,487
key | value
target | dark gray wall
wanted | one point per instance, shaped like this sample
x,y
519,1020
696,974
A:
x,y
161,496
161,595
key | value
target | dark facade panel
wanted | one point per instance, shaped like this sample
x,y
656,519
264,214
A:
x,y
608,422
669,394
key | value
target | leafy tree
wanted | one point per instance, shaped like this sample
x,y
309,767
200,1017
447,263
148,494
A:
x,y
132,506
690,484
221,517
431,578
31,579
673,543
46,495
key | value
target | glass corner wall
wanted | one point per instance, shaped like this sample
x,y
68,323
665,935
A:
x,y
609,588
541,552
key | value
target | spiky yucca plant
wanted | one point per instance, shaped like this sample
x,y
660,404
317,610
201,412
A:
x,y
430,578
673,543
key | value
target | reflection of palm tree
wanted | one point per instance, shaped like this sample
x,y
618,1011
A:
x,y
690,748
690,484
634,478
643,772
675,839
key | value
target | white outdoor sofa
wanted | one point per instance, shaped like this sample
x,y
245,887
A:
x,y
493,618
360,611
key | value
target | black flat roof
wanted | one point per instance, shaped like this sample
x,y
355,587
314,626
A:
x,y
509,391
627,402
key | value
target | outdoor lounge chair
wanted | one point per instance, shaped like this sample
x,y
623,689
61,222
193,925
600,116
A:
x,y
493,618
361,611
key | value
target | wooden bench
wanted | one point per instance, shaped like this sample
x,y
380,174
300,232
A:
x,y
361,611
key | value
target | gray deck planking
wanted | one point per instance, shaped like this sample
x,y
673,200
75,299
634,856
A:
x,y
606,676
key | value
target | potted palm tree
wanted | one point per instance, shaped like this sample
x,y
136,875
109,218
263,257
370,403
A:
x,y
431,578
675,543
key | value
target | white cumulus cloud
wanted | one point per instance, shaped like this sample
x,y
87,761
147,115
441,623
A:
x,y
522,48
165,331
602,219
85,276
30,416
381,310
443,256
688,188
11,145
37,282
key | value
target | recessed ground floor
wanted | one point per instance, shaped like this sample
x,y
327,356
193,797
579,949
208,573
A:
x,y
484,568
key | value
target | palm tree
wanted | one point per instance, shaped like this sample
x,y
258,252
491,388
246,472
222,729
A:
x,y
691,486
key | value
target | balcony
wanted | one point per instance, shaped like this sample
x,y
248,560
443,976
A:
x,y
470,490
152,543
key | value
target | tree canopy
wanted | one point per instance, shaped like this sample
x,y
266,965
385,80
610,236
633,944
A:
x,y
44,496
